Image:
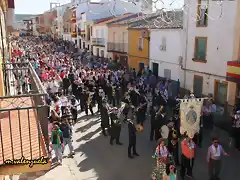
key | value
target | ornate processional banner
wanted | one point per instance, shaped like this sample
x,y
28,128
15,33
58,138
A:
x,y
190,113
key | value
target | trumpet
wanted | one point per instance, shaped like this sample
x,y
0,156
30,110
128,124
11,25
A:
x,y
160,112
90,95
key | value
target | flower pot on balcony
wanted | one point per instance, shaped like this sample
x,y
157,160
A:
x,y
73,19
74,34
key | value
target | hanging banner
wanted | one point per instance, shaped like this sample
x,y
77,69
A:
x,y
190,113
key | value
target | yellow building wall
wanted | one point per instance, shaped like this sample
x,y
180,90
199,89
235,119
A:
x,y
136,56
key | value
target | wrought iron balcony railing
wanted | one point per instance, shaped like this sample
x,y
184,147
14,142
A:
x,y
117,47
23,114
98,41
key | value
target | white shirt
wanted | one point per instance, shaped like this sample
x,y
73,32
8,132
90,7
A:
x,y
64,101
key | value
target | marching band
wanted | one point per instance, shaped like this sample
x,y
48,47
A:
x,y
170,118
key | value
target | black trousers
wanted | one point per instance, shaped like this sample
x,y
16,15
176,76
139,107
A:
x,y
86,107
186,166
132,148
152,131
237,137
115,135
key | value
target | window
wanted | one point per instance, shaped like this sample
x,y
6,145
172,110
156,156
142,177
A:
x,y
140,43
202,13
197,85
155,69
164,44
200,49
91,30
167,73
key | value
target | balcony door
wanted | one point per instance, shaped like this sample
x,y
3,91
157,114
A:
x,y
114,40
124,47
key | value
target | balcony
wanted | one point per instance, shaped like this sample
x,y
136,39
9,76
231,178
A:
x,y
118,47
23,121
74,34
98,42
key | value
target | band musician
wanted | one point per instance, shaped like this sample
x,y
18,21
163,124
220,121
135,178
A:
x,y
115,128
132,139
173,138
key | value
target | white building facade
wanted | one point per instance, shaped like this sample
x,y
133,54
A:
x,y
166,50
208,47
99,40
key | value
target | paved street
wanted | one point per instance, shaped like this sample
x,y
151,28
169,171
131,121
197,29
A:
x,y
95,159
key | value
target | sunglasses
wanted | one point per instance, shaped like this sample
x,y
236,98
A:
x,y
172,167
215,142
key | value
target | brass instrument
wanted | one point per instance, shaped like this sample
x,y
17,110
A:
x,y
164,97
174,137
90,96
160,112
138,127
113,91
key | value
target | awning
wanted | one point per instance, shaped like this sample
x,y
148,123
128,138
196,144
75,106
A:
x,y
233,71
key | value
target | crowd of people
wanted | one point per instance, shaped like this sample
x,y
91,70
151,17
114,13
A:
x,y
121,96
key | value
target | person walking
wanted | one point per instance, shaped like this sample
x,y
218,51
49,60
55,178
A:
x,y
57,142
214,156
188,153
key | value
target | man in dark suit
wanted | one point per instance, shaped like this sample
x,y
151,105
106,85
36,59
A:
x,y
132,140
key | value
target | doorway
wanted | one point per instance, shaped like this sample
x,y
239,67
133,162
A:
x,y
102,53
141,66
197,86
97,49
155,67
80,43
220,92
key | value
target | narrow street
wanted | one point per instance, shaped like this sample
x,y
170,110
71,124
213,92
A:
x,y
96,159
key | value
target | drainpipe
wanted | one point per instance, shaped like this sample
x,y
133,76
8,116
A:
x,y
186,51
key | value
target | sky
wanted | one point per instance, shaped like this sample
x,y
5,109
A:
x,y
39,6
34,6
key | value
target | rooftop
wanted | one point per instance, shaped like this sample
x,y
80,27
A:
x,y
114,19
169,20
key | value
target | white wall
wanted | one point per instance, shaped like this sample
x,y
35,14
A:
x,y
67,36
220,34
168,59
100,28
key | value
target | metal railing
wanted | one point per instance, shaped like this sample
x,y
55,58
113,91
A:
x,y
24,110
98,41
117,47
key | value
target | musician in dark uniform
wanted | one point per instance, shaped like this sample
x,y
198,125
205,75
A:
x,y
127,106
115,128
141,114
173,137
153,112
91,101
104,117
84,101
117,94
160,120
132,140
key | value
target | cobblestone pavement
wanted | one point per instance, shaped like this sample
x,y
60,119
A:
x,y
96,159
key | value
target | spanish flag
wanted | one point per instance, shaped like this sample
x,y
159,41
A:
x,y
233,71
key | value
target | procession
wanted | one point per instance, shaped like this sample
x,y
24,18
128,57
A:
x,y
123,98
